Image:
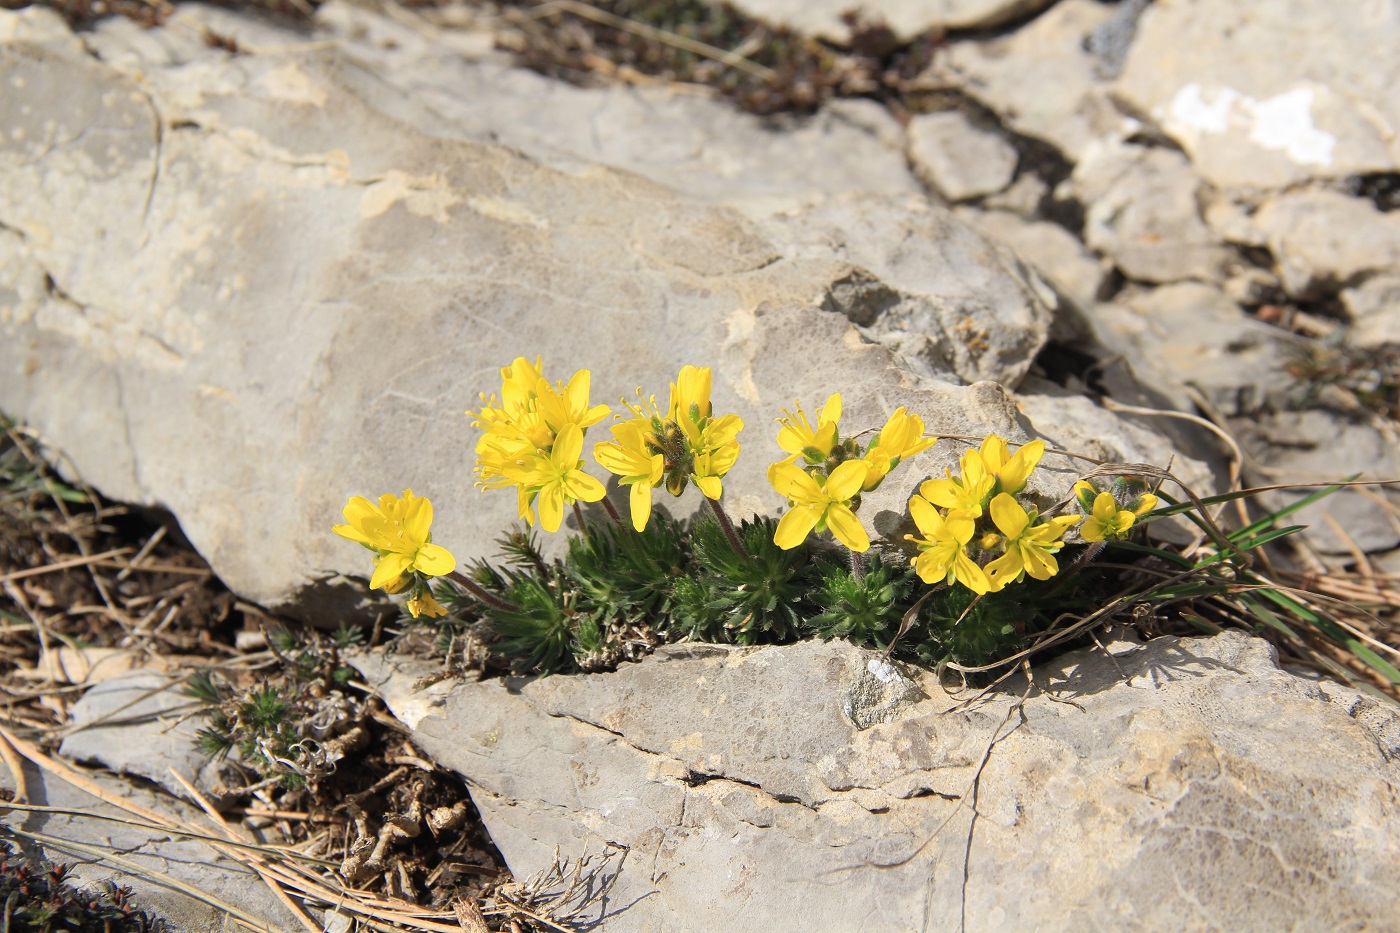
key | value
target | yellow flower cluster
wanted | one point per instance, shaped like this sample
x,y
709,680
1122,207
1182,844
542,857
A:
x,y
397,530
533,441
686,444
823,476
1105,521
984,538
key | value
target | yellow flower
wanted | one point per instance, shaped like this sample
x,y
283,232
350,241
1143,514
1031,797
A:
x,y
817,505
798,437
397,529
902,436
690,394
558,480
1106,520
693,445
630,456
1030,548
943,549
423,604
567,405
1011,472
966,493
715,450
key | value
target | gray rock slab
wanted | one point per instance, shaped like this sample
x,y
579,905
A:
x,y
906,18
243,289
1185,772
1142,211
1324,240
1192,334
1055,253
1316,446
1267,95
958,159
142,725
188,861
687,140
1039,79
1374,308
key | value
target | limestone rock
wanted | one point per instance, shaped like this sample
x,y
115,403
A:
x,y
237,288
140,725
1039,79
1186,771
1190,333
1267,95
1324,240
1142,212
1052,251
956,158
906,18
1374,307
1318,446
188,861
691,142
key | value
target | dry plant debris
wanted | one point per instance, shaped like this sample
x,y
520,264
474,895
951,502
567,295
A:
x,y
330,803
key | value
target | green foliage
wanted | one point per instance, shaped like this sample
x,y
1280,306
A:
x,y
38,898
867,611
537,633
747,599
619,572
957,625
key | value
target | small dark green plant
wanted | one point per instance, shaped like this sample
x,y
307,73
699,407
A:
x,y
866,609
753,598
38,898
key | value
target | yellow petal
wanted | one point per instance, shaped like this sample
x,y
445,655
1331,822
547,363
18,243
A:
x,y
1018,469
354,534
551,503
641,505
434,560
970,575
847,528
845,481
391,567
925,516
568,445
581,487
1008,515
710,486
795,526
793,483
418,519
831,411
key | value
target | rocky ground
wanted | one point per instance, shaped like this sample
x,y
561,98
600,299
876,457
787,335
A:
x,y
252,264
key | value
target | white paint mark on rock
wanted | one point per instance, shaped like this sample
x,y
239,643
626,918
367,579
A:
x,y
1282,123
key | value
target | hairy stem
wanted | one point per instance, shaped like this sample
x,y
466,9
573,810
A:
x,y
728,527
613,513
582,525
480,594
857,565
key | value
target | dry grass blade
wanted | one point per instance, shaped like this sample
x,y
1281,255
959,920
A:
x,y
137,870
256,864
732,59
67,565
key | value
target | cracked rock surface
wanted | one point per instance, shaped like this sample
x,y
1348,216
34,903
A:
x,y
241,287
1187,782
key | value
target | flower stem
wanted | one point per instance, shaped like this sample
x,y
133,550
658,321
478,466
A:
x,y
613,513
728,527
480,594
582,525
857,565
